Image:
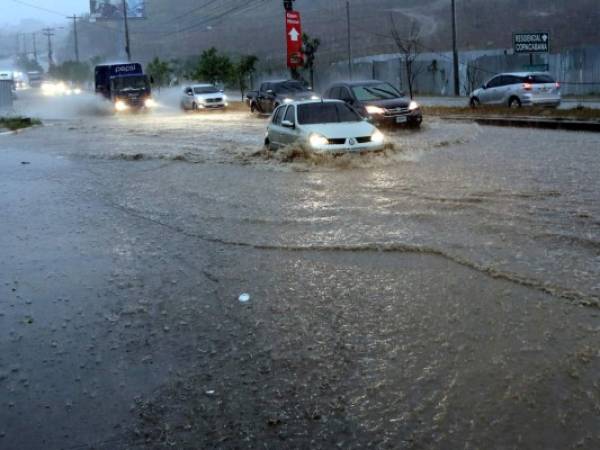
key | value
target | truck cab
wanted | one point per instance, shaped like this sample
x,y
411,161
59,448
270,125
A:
x,y
125,85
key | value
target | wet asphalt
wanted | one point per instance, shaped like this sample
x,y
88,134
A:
x,y
443,294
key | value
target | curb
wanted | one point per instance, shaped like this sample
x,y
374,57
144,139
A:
x,y
532,122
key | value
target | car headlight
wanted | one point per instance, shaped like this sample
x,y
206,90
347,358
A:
x,y
77,91
318,140
375,110
377,137
315,97
413,105
120,105
224,97
288,100
149,103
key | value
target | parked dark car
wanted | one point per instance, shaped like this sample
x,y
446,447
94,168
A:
x,y
274,93
378,101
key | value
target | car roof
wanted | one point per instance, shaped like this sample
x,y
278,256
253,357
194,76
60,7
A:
x,y
309,102
202,85
522,74
358,83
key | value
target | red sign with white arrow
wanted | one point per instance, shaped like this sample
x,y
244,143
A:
x,y
293,29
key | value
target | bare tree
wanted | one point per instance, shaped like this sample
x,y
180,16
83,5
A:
x,y
475,77
409,45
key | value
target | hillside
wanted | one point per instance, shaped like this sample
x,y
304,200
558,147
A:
x,y
185,27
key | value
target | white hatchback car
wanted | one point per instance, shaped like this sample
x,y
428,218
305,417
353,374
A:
x,y
322,126
518,89
202,96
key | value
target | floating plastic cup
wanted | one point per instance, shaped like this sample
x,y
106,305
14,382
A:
x,y
244,298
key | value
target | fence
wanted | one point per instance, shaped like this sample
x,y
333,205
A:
x,y
577,69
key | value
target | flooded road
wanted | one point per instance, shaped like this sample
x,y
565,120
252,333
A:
x,y
442,294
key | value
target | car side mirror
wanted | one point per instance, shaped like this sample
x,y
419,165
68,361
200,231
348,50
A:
x,y
483,86
287,124
190,93
222,91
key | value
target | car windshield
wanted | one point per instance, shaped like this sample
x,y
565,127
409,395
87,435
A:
x,y
538,79
289,87
134,83
313,113
382,91
206,90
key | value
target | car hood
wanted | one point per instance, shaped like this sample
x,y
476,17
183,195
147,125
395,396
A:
x,y
340,130
207,96
401,102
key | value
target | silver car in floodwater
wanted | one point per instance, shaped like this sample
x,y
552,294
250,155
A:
x,y
202,97
322,126
518,89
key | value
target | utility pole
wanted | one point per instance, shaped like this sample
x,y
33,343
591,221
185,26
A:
x,y
127,47
349,40
455,51
35,55
75,40
49,32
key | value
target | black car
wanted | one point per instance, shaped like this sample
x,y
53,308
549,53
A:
x,y
379,101
274,93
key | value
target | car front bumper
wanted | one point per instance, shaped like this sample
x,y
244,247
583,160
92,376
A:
x,y
338,149
411,118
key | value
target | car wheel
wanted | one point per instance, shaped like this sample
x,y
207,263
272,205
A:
x,y
253,108
474,102
514,102
195,106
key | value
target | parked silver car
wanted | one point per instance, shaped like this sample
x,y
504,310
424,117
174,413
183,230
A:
x,y
518,89
202,96
322,126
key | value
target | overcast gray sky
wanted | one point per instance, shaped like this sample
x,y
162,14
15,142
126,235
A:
x,y
13,11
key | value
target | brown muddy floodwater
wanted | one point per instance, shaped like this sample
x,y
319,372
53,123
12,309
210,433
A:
x,y
441,294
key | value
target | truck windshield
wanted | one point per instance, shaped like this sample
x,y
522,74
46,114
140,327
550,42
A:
x,y
382,91
206,90
123,84
313,113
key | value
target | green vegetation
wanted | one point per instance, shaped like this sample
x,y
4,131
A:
x,y
244,70
213,67
159,71
76,72
28,65
16,123
309,48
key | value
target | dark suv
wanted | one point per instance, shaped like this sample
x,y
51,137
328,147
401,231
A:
x,y
379,101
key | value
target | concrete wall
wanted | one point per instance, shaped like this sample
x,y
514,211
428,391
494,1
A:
x,y
577,69
6,96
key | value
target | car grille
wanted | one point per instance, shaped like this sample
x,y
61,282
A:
x,y
363,140
337,141
396,111
214,100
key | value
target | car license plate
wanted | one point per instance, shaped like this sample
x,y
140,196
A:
x,y
401,119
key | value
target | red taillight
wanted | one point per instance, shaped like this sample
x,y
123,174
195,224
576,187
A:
x,y
557,85
527,86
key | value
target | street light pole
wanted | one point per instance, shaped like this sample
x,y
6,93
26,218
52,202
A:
x,y
76,42
127,46
455,51
35,55
49,32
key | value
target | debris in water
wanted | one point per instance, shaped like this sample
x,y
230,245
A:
x,y
210,393
25,162
244,298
